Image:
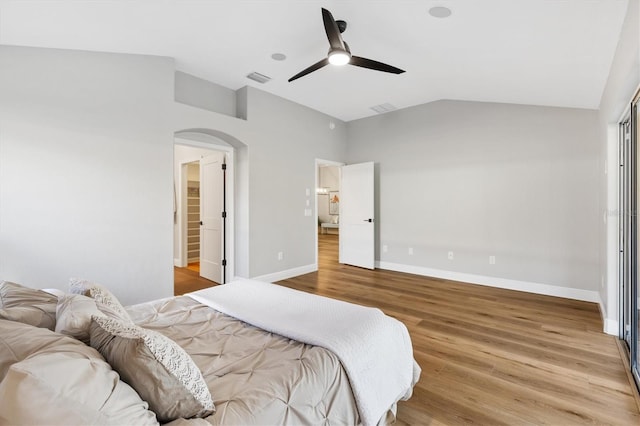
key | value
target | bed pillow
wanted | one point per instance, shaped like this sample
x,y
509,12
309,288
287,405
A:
x,y
27,305
155,366
46,378
73,316
106,302
54,292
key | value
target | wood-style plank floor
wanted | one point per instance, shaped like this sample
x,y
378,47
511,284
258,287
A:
x,y
488,356
186,280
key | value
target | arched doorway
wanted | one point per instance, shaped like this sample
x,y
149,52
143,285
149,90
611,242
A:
x,y
200,142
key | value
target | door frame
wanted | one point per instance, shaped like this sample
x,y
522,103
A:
x,y
319,162
181,200
627,267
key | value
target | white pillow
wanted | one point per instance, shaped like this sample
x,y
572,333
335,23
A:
x,y
106,302
48,379
54,291
73,316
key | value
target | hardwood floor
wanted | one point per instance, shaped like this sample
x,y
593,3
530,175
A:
x,y
490,356
194,266
186,280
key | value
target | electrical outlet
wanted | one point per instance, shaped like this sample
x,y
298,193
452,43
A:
x,y
410,251
492,260
280,255
450,255
385,248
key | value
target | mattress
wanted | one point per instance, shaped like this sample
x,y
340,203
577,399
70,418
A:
x,y
255,377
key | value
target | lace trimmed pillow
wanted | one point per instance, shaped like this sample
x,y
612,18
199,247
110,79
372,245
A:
x,y
106,302
155,366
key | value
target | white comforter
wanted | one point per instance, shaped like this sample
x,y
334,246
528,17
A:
x,y
375,350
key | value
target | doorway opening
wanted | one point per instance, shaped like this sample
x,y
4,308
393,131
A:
x,y
193,215
327,207
203,214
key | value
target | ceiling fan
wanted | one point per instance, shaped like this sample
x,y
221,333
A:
x,y
339,52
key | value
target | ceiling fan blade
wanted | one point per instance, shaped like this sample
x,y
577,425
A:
x,y
374,65
331,28
310,69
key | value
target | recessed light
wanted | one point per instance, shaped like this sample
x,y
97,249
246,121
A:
x,y
278,56
440,12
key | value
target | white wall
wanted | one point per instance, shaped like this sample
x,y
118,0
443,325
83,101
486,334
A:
x,y
75,128
624,79
483,179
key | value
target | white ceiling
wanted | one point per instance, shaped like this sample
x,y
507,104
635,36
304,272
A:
x,y
539,52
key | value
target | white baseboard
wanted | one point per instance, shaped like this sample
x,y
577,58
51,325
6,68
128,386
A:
x,y
611,327
538,288
289,273
176,262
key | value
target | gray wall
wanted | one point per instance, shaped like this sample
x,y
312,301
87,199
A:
x,y
86,171
204,94
279,142
286,140
86,164
85,146
484,179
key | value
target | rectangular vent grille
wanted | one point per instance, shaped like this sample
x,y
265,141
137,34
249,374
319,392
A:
x,y
382,108
260,78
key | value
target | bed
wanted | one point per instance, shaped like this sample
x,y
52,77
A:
x,y
268,355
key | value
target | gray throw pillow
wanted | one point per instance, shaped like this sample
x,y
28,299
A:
x,y
160,371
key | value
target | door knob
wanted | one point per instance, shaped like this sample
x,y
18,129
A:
x,y
368,220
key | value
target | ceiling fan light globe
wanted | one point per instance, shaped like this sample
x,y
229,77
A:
x,y
339,57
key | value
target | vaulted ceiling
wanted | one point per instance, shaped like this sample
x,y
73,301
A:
x,y
539,52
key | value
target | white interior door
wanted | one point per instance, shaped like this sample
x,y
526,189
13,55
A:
x,y
357,232
211,206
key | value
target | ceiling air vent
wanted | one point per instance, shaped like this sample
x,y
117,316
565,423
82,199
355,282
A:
x,y
382,108
260,78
